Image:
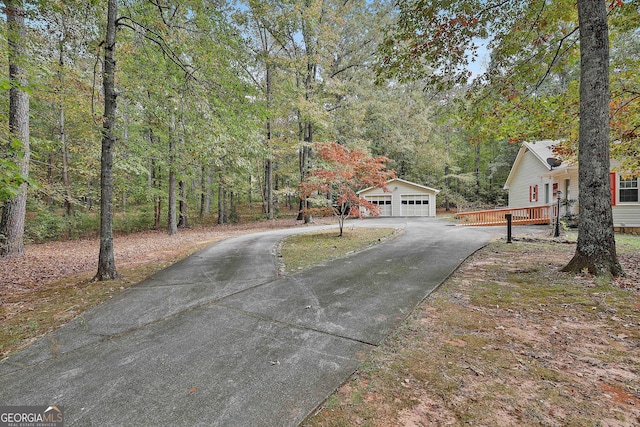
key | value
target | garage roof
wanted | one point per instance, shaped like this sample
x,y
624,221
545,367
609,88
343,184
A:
x,y
422,187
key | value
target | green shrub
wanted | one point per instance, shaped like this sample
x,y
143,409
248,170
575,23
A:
x,y
132,222
83,224
44,226
48,224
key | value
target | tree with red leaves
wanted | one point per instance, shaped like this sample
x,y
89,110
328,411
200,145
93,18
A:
x,y
341,173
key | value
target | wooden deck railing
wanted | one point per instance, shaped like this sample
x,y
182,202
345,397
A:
x,y
529,215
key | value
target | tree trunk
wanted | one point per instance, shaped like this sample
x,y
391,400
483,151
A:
x,y
305,166
14,210
309,39
207,200
62,132
203,189
155,181
477,171
250,192
182,205
596,249
233,214
106,259
182,184
268,188
125,139
221,204
447,171
50,179
225,211
276,188
172,226
66,180
268,164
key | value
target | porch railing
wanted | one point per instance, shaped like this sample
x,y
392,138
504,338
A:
x,y
529,215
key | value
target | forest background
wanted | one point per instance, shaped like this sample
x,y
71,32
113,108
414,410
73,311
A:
x,y
220,104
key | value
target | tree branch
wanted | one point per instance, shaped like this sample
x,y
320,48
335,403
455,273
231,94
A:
x,y
495,6
157,39
555,58
344,69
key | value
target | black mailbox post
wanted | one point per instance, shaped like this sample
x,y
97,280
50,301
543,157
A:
x,y
508,218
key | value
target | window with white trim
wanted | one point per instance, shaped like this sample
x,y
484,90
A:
x,y
533,193
628,190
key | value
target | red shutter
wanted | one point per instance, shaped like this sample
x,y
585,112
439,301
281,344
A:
x,y
530,193
612,185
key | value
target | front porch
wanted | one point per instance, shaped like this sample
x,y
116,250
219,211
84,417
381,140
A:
x,y
544,214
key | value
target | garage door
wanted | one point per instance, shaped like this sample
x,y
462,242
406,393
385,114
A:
x,y
414,205
383,203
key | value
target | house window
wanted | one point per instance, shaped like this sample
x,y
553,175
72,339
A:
x,y
533,193
628,190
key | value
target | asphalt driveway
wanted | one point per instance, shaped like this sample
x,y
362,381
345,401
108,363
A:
x,y
220,340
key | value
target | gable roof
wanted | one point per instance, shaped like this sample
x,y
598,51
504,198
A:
x,y
542,150
413,184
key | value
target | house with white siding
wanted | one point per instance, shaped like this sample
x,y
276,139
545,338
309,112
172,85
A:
x,y
537,175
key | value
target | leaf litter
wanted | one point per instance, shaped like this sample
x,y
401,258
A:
x,y
508,340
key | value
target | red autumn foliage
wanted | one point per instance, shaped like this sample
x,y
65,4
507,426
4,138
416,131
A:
x,y
343,173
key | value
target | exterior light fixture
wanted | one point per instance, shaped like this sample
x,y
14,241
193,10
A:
x,y
556,232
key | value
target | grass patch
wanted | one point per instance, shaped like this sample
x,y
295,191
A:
x,y
627,243
303,250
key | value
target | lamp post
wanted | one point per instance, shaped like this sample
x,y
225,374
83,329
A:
x,y
556,232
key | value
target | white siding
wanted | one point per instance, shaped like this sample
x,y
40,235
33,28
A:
x,y
528,173
627,215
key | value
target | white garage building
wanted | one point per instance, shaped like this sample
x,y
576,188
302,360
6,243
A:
x,y
402,198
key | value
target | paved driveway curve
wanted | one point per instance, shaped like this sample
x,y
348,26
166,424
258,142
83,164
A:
x,y
220,340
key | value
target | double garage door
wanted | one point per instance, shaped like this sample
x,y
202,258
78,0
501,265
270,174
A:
x,y
414,205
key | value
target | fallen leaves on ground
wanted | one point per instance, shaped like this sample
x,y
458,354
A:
x,y
49,285
49,262
508,340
